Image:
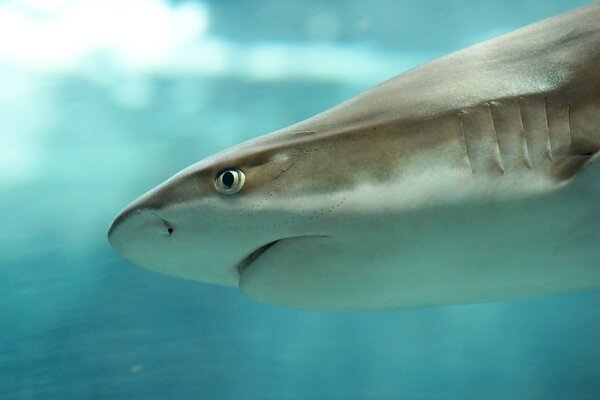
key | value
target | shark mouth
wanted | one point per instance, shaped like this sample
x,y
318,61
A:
x,y
245,263
252,257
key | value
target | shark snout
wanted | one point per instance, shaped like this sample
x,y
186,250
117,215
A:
x,y
142,218
175,241
136,232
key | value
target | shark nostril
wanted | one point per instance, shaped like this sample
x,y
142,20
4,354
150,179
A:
x,y
166,223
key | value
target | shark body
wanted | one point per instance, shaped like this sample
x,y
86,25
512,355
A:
x,y
473,178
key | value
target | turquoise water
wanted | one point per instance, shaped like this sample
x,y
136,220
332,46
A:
x,y
100,101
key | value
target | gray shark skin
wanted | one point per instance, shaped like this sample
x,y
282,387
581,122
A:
x,y
470,179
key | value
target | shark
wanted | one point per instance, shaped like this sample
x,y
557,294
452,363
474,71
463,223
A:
x,y
473,178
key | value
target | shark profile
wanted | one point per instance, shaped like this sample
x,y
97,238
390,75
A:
x,y
473,178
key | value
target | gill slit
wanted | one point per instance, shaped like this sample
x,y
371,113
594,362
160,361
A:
x,y
526,150
500,161
464,139
569,127
548,137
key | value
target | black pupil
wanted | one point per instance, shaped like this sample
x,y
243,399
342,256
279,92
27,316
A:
x,y
228,179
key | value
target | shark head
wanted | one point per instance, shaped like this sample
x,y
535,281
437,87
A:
x,y
214,219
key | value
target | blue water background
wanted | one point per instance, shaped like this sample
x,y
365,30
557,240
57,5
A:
x,y
79,142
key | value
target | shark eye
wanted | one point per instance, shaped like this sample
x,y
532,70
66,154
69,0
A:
x,y
230,181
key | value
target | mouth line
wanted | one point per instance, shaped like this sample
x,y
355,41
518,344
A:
x,y
252,257
245,263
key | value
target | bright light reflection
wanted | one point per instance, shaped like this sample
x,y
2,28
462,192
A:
x,y
151,37
134,32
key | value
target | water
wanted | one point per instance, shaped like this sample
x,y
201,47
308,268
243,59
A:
x,y
98,104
